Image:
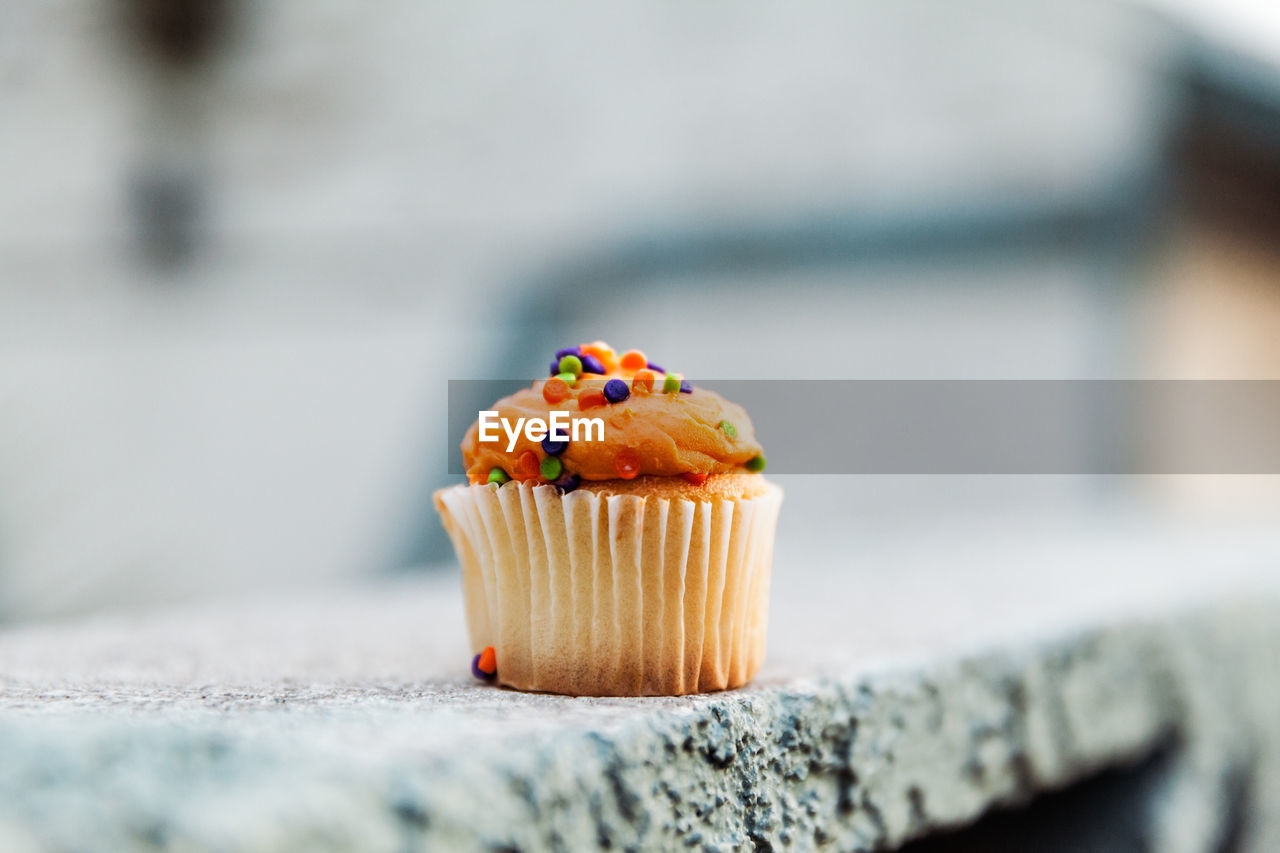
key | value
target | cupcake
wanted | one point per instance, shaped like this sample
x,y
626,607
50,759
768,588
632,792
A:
x,y
616,536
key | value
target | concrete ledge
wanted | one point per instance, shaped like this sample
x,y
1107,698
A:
x,y
346,720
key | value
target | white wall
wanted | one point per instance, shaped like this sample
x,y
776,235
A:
x,y
377,178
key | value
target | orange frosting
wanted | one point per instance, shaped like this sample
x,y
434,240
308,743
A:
x,y
648,434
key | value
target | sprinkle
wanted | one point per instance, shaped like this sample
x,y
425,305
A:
x,y
655,368
590,398
755,463
561,353
686,387
627,463
498,476
555,390
591,364
527,465
602,351
484,666
568,379
671,384
551,447
568,483
693,479
729,429
551,468
570,364
616,390
633,359
642,383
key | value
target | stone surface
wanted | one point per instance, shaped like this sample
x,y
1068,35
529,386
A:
x,y
912,686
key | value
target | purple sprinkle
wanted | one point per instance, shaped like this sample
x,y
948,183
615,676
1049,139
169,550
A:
x,y
480,673
616,390
591,364
555,367
655,368
685,387
568,483
551,447
561,353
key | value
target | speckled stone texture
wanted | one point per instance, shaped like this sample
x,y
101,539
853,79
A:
x,y
895,703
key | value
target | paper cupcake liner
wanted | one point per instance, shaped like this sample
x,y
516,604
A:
x,y
617,595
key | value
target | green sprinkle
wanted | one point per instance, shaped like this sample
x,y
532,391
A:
x,y
569,379
729,429
755,463
671,385
497,475
551,468
571,364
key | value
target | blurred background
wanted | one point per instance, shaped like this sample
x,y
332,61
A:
x,y
243,245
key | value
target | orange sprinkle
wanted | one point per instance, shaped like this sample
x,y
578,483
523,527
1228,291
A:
x,y
633,359
693,479
555,391
527,465
643,381
488,660
590,398
627,463
604,352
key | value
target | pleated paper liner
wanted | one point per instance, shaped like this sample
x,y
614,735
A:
x,y
618,595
